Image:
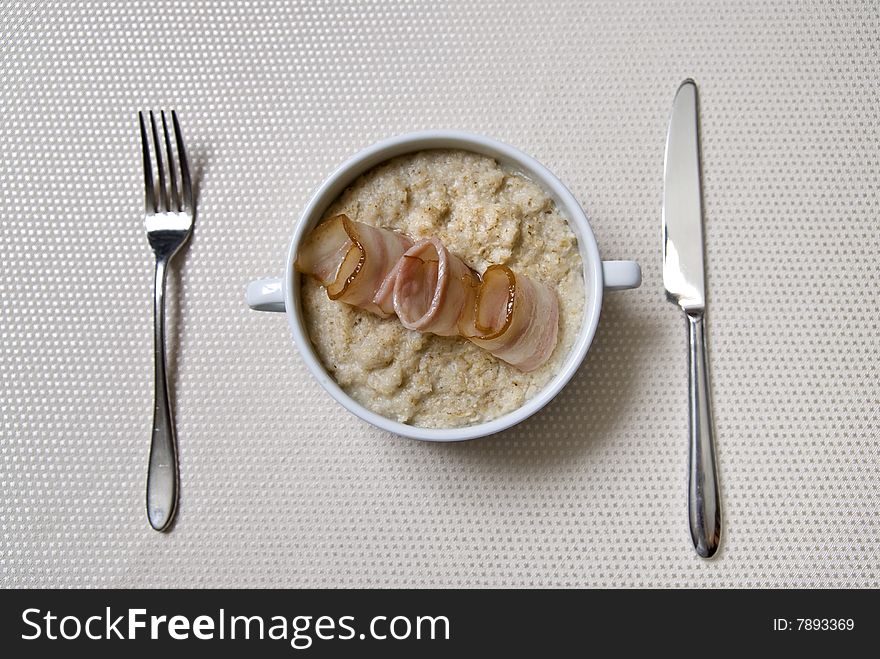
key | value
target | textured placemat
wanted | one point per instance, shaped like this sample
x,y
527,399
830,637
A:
x,y
280,487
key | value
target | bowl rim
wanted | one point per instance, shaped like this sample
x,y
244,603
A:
x,y
389,148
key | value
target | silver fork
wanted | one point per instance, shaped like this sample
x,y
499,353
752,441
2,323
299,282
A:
x,y
168,219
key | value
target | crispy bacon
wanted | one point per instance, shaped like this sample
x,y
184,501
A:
x,y
516,318
430,290
434,290
356,262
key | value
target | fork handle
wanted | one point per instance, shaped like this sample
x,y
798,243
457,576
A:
x,y
704,501
162,477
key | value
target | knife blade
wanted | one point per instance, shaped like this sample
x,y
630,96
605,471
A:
x,y
684,280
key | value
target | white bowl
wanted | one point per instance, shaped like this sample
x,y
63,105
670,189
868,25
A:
x,y
284,294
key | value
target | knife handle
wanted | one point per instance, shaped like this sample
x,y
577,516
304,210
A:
x,y
704,501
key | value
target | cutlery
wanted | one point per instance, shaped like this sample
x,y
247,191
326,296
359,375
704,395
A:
x,y
168,219
684,280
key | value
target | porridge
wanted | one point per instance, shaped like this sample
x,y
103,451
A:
x,y
484,214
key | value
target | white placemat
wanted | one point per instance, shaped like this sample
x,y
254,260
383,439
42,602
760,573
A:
x,y
280,486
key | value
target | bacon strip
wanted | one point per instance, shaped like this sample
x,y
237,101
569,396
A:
x,y
435,291
356,262
517,319
509,315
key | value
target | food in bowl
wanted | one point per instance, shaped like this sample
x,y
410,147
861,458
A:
x,y
474,215
430,290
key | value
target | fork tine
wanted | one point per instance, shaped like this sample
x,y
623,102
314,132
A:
x,y
162,201
149,191
186,181
174,198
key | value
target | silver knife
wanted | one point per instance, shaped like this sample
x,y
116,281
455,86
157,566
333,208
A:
x,y
684,279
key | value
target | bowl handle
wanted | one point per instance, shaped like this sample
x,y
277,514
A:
x,y
621,275
265,295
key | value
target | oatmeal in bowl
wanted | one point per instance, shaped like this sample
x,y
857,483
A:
x,y
485,214
443,286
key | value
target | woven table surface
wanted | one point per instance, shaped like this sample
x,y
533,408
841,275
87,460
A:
x,y
279,485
